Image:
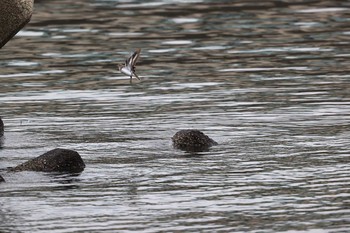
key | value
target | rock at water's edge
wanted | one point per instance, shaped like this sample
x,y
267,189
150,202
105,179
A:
x,y
1,127
192,140
57,160
14,15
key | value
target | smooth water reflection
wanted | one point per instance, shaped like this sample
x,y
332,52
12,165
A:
x,y
267,80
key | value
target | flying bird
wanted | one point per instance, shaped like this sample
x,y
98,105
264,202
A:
x,y
129,67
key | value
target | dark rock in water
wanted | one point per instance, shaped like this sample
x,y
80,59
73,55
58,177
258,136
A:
x,y
14,15
1,127
1,133
192,140
1,179
57,160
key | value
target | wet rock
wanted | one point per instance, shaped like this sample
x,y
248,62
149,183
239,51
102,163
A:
x,y
192,140
1,179
1,128
14,15
57,160
1,133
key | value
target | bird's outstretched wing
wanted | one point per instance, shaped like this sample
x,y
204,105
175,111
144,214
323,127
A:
x,y
131,61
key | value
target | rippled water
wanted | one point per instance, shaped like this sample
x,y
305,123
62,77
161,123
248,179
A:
x,y
268,80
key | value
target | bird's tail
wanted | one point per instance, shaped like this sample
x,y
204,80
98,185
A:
x,y
137,76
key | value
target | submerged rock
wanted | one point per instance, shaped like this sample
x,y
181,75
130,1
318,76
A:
x,y
1,179
57,160
192,140
15,14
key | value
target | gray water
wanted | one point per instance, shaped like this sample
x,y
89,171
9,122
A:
x,y
268,80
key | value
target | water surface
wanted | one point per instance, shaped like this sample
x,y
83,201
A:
x,y
269,81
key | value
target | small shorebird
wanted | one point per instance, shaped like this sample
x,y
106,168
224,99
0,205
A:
x,y
129,67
